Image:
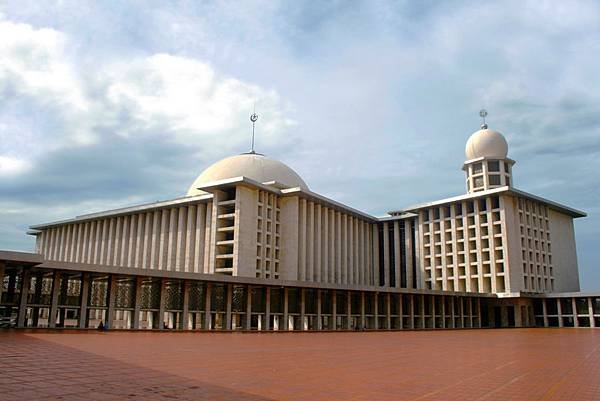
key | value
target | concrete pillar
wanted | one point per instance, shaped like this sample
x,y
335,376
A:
x,y
137,303
333,310
575,312
83,300
161,308
286,319
591,312
433,308
559,312
452,322
362,310
348,309
228,307
422,312
248,322
184,321
518,315
443,311
268,309
36,296
470,309
21,319
112,294
319,323
479,324
545,312
412,311
401,307
375,297
207,315
54,299
388,311
302,307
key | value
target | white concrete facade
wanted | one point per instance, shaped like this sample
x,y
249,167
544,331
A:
x,y
264,222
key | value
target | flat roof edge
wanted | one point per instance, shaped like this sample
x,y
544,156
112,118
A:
x,y
501,190
124,210
21,257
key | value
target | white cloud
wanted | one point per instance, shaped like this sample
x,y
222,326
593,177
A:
x,y
181,98
188,99
12,166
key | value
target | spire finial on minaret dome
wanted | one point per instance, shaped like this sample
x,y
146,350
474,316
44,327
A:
x,y
253,118
483,114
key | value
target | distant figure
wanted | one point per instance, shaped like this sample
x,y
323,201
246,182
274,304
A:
x,y
101,326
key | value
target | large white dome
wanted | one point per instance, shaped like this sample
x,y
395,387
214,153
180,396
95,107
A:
x,y
251,165
486,143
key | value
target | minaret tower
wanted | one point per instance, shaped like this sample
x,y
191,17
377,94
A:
x,y
487,165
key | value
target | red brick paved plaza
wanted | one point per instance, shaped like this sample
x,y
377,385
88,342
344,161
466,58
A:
x,y
517,364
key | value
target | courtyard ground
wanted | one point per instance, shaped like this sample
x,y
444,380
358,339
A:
x,y
507,365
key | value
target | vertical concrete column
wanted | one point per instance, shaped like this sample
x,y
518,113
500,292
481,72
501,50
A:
x,y
518,315
452,323
362,310
333,310
388,311
462,311
559,312
433,309
37,294
545,312
348,310
183,322
83,300
268,309
286,319
443,311
228,308
54,299
137,303
401,310
470,309
575,312
302,308
112,294
21,320
207,315
375,297
163,296
248,322
408,246
479,324
319,323
590,312
412,311
422,312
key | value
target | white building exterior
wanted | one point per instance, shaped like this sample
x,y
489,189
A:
x,y
251,216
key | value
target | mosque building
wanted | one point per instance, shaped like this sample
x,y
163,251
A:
x,y
251,247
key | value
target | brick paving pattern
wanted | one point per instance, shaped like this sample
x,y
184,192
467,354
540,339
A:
x,y
507,365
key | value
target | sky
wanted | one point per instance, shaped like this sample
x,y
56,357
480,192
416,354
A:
x,y
109,104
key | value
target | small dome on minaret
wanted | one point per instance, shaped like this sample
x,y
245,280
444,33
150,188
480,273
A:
x,y
487,165
486,143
